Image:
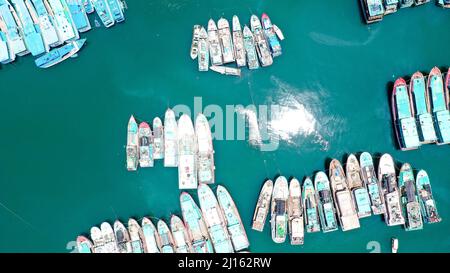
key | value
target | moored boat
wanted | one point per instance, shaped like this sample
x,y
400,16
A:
x,y
310,206
394,245
387,176
408,197
203,51
278,32
262,206
272,39
137,239
57,55
11,29
447,87
88,7
406,3
84,245
196,227
422,107
151,236
79,15
224,70
233,219
132,145
226,42
205,151
390,6
4,51
250,49
195,41
122,238
278,208
116,8
262,48
170,139
326,209
345,207
41,17
104,12
158,139
98,241
439,101
215,220
403,117
357,187
426,199
295,213
145,145
31,31
65,27
7,53
444,3
215,49
373,10
182,242
109,238
238,41
420,2
187,150
167,243
374,188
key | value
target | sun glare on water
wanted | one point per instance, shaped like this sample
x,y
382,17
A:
x,y
291,120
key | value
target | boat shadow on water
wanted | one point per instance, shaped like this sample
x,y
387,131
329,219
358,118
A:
x,y
361,13
390,88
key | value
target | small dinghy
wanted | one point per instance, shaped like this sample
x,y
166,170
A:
x,y
224,70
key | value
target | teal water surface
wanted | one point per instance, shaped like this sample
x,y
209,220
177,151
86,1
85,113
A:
x,y
62,167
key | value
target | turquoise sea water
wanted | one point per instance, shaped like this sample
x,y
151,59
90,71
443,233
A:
x,y
62,164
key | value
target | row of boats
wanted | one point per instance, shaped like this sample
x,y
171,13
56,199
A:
x,y
252,46
177,143
375,10
214,227
36,26
342,198
420,109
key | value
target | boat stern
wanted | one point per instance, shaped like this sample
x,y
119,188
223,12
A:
x,y
442,121
350,222
426,129
409,134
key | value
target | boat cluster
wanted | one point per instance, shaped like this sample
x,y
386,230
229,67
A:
x,y
342,198
375,10
214,227
420,109
253,46
177,143
36,26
